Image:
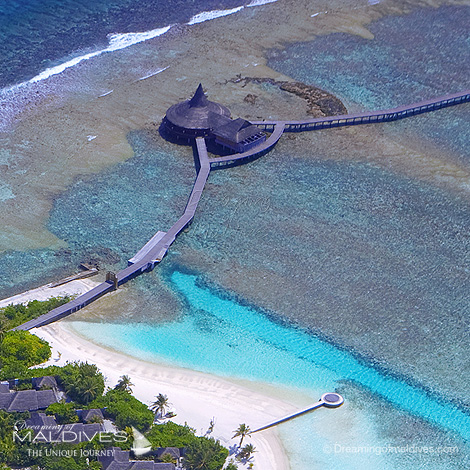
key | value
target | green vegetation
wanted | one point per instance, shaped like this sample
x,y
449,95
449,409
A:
x,y
160,405
14,315
7,446
171,435
242,431
124,384
125,410
205,454
245,452
20,350
84,384
81,381
64,412
231,466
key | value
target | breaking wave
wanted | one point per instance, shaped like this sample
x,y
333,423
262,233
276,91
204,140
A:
x,y
116,42
212,15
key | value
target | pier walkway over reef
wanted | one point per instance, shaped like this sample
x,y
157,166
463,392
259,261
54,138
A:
x,y
198,120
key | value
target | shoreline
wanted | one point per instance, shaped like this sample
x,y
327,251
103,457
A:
x,y
72,288
197,397
230,402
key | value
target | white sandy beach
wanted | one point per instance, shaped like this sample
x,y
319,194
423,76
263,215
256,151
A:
x,y
197,397
77,287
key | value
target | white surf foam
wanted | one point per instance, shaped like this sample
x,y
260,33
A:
x,y
121,41
152,74
212,15
257,3
116,42
105,94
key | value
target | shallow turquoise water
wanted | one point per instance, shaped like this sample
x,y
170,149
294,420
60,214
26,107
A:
x,y
219,334
388,255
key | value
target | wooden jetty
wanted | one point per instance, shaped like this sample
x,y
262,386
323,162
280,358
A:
x,y
156,248
329,400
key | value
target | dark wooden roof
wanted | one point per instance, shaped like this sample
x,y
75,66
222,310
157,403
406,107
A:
x,y
27,400
48,381
236,130
41,419
88,415
198,113
119,460
173,451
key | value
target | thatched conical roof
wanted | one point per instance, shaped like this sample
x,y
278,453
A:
x,y
198,112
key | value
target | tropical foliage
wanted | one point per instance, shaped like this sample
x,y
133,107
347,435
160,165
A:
x,y
64,412
245,452
125,410
20,350
82,382
171,435
242,431
231,466
160,405
124,384
205,454
14,315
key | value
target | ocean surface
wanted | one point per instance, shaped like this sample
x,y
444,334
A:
x,y
327,265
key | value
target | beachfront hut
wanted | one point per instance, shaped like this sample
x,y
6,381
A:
x,y
46,382
27,400
86,416
174,452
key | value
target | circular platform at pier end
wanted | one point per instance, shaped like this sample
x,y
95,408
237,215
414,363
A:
x,y
332,400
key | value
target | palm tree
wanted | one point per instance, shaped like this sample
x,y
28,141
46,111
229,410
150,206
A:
x,y
242,431
90,391
124,384
246,452
160,405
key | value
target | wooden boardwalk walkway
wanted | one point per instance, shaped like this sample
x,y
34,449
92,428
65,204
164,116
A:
x,y
329,400
154,250
369,117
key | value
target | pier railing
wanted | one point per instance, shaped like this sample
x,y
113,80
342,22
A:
x,y
387,115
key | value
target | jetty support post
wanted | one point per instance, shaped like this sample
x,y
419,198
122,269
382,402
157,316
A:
x,y
111,277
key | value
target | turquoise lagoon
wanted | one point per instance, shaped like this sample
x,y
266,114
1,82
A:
x,y
221,334
246,341
347,277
